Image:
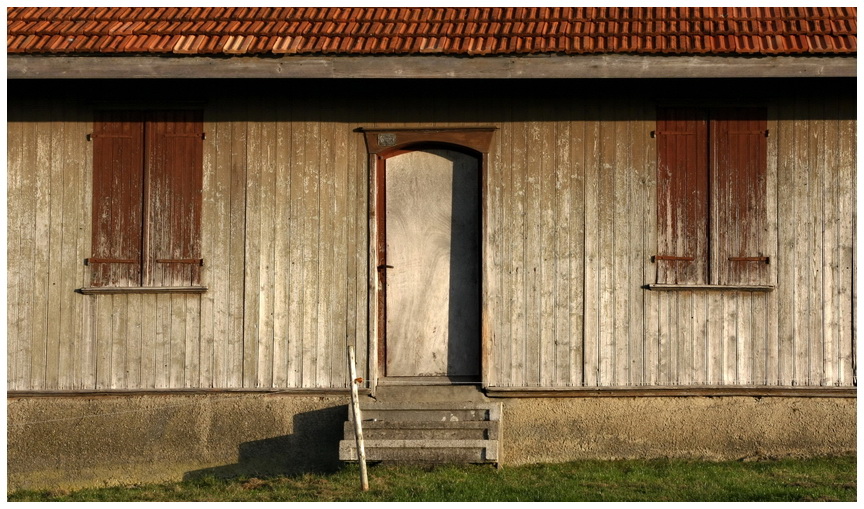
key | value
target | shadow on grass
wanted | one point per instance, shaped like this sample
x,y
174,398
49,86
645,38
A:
x,y
312,448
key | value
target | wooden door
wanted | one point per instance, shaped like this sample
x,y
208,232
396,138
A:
x,y
432,250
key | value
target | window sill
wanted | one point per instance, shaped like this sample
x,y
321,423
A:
x,y
728,288
103,290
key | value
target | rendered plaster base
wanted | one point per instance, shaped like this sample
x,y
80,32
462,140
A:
x,y
719,428
73,442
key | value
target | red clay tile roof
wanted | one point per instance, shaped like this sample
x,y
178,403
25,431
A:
x,y
433,31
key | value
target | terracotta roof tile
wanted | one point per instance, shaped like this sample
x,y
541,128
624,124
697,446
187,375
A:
x,y
429,30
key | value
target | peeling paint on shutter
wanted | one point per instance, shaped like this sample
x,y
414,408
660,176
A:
x,y
175,152
682,196
117,199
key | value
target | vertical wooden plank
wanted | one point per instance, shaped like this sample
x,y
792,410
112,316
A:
x,y
563,295
606,251
75,205
770,308
252,247
267,209
17,210
215,221
624,175
238,115
326,238
59,178
520,265
781,358
209,231
119,318
281,243
39,286
639,228
652,301
103,307
309,237
133,346
533,254
297,243
577,146
176,354
593,202
547,261
503,161
817,161
339,338
804,245
84,357
830,324
846,244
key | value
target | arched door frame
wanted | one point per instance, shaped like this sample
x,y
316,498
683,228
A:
x,y
382,144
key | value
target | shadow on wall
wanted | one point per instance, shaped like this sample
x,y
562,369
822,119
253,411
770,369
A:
x,y
312,448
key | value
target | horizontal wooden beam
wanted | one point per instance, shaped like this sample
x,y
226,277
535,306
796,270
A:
x,y
665,392
310,392
542,66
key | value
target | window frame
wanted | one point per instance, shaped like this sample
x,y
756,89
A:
x,y
766,224
163,140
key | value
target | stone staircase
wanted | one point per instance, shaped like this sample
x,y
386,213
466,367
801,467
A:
x,y
423,425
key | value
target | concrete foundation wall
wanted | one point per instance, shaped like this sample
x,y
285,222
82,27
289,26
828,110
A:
x,y
719,428
71,442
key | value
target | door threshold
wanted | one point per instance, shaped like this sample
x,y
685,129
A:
x,y
429,380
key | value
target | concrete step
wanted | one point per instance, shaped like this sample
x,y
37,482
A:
x,y
423,451
434,412
421,430
425,432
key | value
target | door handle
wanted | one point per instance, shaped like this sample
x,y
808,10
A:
x,y
382,267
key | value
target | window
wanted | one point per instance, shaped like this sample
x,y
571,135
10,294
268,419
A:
x,y
147,181
711,197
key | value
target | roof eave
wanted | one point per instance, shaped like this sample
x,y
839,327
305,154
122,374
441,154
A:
x,y
427,66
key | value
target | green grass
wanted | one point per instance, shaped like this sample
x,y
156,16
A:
x,y
818,479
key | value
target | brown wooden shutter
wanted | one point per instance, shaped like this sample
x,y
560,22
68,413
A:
x,y
739,165
174,176
682,196
117,199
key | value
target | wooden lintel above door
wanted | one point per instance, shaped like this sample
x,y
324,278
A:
x,y
381,139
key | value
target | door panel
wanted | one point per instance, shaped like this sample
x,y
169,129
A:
x,y
433,246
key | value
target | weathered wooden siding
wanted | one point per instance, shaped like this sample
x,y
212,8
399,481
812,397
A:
x,y
570,210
